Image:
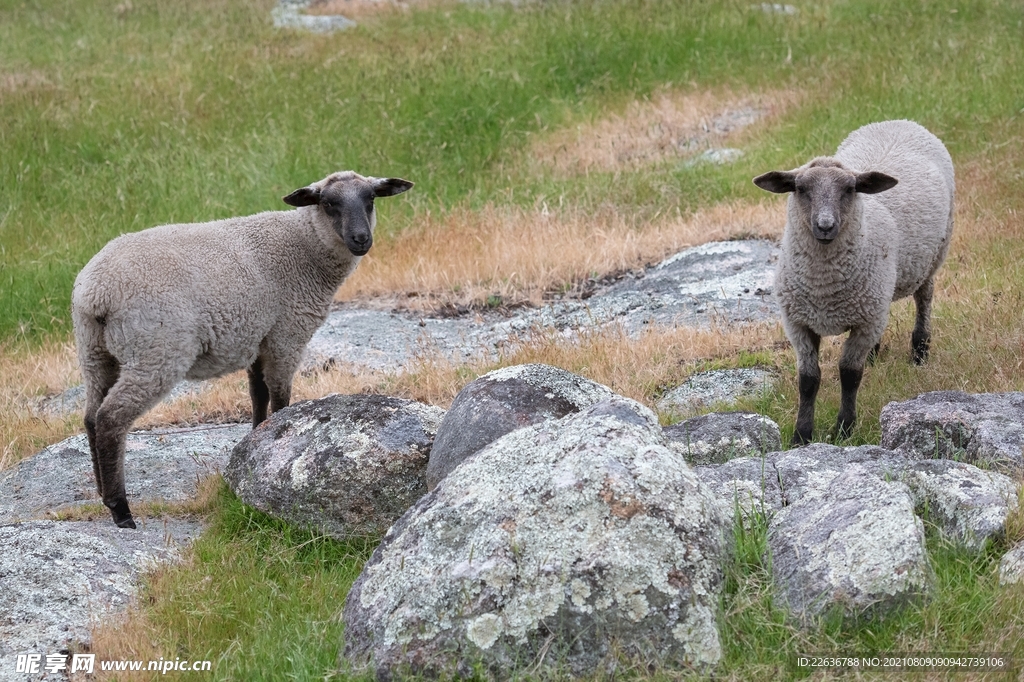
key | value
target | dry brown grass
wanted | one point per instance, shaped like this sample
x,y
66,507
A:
x,y
27,376
669,124
463,257
19,81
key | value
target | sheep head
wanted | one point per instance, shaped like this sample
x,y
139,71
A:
x,y
346,198
824,191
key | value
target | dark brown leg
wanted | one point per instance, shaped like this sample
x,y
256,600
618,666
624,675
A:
x,y
258,392
921,337
806,344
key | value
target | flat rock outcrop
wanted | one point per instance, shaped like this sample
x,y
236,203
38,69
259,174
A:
x,y
564,545
57,577
345,464
980,428
504,400
160,464
719,282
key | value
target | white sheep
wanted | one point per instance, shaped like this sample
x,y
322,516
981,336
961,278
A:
x,y
865,227
196,301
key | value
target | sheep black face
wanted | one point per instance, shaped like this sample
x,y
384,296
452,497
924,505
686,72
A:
x,y
347,200
824,193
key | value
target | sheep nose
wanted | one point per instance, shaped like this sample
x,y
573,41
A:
x,y
826,223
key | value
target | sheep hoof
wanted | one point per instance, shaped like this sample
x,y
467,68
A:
x,y
843,431
122,514
800,439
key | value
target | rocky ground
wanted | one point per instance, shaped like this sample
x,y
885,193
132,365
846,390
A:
x,y
359,464
725,282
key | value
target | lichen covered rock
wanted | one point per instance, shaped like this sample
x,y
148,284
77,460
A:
x,y
856,546
560,547
968,504
720,436
811,469
1011,567
979,428
346,464
502,401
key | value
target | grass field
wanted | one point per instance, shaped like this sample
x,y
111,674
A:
x,y
543,142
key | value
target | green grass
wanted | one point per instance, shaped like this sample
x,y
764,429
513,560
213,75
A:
x,y
193,111
258,598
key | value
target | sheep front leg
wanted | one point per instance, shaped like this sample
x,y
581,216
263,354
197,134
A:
x,y
806,343
851,371
258,392
278,374
921,338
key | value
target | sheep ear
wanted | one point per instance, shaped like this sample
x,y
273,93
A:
x,y
778,182
874,182
387,187
304,196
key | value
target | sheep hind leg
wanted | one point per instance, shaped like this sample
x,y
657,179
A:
x,y
134,393
921,337
851,371
806,343
100,371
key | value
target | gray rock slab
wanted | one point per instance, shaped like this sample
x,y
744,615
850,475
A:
x,y
719,386
980,428
720,436
810,470
504,400
72,400
289,14
1011,567
348,465
749,484
161,464
717,283
57,578
968,504
565,547
858,547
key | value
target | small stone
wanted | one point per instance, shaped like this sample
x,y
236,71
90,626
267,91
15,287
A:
x,y
720,436
715,387
1011,568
